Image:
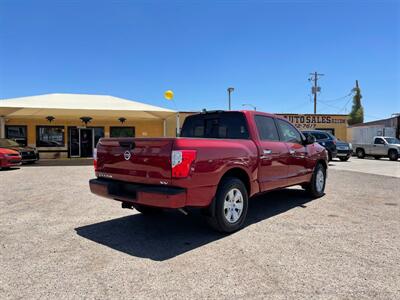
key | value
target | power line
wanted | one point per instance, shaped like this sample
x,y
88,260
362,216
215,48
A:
x,y
338,99
345,106
329,105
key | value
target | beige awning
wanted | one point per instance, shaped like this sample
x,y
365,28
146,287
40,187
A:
x,y
98,107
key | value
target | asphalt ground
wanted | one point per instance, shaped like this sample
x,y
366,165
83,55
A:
x,y
58,241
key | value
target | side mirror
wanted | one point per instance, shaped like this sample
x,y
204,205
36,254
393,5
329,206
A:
x,y
310,139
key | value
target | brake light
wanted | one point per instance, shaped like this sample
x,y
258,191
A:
x,y
181,162
95,159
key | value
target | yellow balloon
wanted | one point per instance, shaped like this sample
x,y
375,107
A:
x,y
169,95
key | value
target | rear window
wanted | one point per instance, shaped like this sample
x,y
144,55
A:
x,y
224,125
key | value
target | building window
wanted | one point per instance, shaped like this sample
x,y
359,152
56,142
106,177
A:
x,y
50,136
98,134
122,131
17,133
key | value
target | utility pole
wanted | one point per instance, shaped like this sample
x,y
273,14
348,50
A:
x,y
315,89
230,90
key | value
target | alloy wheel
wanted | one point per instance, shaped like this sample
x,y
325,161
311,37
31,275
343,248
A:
x,y
320,180
233,205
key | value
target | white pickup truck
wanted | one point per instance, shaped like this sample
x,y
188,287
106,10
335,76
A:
x,y
382,146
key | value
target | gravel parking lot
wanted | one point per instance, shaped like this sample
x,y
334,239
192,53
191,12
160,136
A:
x,y
59,241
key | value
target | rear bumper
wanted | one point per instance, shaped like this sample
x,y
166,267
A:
x,y
151,195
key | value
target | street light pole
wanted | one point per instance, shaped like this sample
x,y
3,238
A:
x,y
251,105
230,90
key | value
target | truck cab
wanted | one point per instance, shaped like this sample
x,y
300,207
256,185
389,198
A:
x,y
380,146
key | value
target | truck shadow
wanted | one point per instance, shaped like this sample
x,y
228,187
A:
x,y
170,234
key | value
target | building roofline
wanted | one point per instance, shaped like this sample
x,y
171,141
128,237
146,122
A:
x,y
373,122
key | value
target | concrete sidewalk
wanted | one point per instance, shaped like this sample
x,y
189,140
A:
x,y
367,165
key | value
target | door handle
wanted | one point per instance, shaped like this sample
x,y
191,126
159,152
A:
x,y
293,153
266,154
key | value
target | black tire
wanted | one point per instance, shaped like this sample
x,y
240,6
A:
x,y
345,158
329,156
312,188
148,210
393,155
360,153
219,219
377,157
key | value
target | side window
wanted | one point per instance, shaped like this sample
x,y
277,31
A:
x,y
322,136
379,141
266,128
288,133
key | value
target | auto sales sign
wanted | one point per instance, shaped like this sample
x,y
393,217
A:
x,y
311,121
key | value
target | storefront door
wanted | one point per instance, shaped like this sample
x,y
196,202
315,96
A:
x,y
86,142
81,142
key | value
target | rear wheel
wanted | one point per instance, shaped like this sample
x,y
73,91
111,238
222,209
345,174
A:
x,y
231,204
393,155
316,187
360,153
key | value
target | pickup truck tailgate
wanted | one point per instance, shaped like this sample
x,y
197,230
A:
x,y
138,160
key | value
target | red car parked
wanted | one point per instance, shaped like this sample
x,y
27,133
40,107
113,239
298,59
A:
x,y
9,158
220,160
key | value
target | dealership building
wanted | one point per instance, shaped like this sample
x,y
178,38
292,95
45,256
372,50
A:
x,y
333,123
69,125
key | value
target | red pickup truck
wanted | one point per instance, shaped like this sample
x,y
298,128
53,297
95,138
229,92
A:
x,y
221,159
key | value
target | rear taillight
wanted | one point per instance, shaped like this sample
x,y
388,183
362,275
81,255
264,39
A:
x,y
95,159
181,162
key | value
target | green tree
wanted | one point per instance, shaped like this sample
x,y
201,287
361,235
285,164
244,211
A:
x,y
356,115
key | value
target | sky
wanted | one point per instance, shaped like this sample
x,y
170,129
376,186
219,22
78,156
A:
x,y
264,49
